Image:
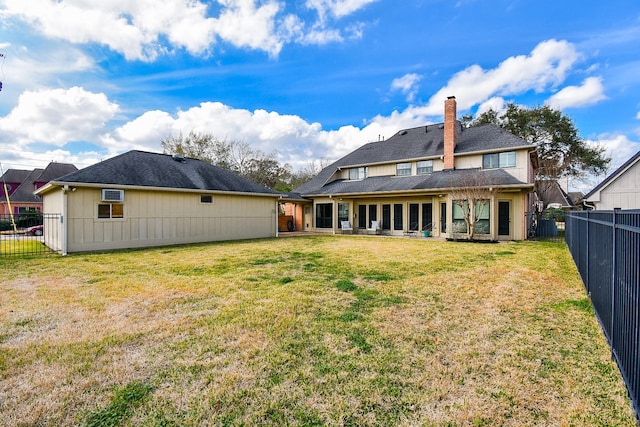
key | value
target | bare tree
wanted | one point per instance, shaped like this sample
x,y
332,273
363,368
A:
x,y
472,194
236,156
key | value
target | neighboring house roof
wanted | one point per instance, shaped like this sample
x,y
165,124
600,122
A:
x,y
55,170
553,194
634,159
29,179
15,175
424,142
24,192
144,169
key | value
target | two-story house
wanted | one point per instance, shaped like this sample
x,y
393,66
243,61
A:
x,y
410,182
20,185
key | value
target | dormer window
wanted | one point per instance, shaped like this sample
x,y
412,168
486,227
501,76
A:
x,y
424,167
403,169
358,173
499,160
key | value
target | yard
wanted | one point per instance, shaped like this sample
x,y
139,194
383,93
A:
x,y
315,330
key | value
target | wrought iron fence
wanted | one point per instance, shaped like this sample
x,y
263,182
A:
x,y
605,246
542,228
29,233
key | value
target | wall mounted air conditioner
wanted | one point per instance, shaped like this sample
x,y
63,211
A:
x,y
109,195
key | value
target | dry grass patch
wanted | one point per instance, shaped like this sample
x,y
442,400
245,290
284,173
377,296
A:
x,y
318,330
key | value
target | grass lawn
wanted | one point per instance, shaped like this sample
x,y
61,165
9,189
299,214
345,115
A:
x,y
315,330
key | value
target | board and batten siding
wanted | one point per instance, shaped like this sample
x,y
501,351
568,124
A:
x,y
158,218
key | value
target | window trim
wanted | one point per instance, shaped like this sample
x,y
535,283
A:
x,y
203,198
360,172
110,217
403,169
489,159
429,169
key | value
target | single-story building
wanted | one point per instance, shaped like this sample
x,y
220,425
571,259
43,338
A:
x,y
142,199
620,190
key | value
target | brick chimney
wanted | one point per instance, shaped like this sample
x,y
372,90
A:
x,y
450,135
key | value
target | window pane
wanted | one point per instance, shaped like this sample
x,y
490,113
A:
x,y
324,215
403,169
482,209
117,211
458,209
413,216
373,213
508,160
358,173
362,216
425,166
397,216
386,217
104,211
343,213
490,161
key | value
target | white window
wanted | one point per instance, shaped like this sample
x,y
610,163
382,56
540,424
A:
x,y
358,173
110,211
425,166
499,160
403,169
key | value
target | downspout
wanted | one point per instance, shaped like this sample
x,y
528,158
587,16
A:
x,y
63,219
277,213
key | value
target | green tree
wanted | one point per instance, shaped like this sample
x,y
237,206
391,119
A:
x,y
560,150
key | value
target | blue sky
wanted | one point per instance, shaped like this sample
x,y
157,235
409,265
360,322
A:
x,y
308,79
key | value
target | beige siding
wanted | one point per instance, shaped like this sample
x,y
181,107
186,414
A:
x,y
520,171
153,218
623,192
53,204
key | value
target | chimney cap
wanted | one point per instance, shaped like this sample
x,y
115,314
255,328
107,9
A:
x,y
451,97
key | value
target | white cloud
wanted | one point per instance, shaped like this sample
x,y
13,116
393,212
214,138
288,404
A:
x,y
57,116
638,115
618,147
245,25
497,104
336,8
591,92
407,84
137,29
546,66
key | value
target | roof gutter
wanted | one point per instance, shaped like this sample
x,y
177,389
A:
x,y
424,190
50,186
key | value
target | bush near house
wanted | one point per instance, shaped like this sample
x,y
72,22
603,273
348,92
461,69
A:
x,y
316,330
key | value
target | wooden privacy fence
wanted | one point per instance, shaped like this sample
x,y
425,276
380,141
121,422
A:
x,y
605,246
29,234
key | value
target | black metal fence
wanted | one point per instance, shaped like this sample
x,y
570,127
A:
x,y
605,246
29,233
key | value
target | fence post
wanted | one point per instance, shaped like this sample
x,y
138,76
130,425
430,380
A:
x,y
587,274
613,283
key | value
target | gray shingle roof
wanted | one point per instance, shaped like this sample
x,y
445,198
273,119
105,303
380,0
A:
x,y
144,169
429,182
55,170
24,193
423,142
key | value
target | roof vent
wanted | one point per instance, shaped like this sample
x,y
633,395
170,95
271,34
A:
x,y
403,132
178,158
